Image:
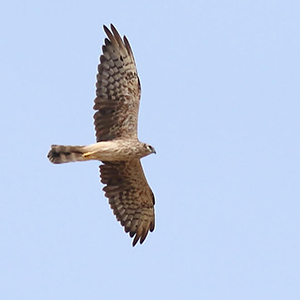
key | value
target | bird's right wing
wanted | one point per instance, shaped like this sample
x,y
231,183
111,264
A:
x,y
130,197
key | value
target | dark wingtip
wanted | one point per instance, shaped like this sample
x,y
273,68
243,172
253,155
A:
x,y
136,238
134,242
113,28
105,28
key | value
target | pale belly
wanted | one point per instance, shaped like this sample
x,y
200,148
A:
x,y
113,151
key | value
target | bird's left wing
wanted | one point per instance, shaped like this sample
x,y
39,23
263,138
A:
x,y
118,90
130,197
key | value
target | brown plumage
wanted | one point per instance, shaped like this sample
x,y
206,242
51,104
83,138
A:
x,y
118,90
118,94
129,196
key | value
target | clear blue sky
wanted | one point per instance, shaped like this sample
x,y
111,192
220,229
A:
x,y
221,105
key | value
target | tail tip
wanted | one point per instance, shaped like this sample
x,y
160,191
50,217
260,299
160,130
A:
x,y
53,156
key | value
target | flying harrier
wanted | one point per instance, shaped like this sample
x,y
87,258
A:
x,y
118,92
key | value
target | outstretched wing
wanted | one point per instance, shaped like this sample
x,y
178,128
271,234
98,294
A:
x,y
130,197
118,90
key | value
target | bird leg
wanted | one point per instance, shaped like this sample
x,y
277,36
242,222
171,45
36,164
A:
x,y
88,154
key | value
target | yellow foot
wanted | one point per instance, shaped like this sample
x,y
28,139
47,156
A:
x,y
88,154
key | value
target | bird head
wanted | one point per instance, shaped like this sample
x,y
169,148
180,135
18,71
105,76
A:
x,y
149,149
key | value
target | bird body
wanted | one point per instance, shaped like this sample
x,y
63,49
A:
x,y
115,150
118,92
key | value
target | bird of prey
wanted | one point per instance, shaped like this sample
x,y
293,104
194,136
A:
x,y
118,92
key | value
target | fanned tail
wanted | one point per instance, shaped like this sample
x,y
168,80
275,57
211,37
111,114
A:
x,y
63,154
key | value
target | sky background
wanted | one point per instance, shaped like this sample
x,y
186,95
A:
x,y
220,104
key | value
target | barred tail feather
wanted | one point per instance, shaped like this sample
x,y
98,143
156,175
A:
x,y
63,154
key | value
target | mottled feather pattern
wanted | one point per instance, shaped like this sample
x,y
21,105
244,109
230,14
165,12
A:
x,y
130,197
63,154
117,103
118,90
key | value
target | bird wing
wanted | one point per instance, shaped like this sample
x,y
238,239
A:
x,y
130,197
118,90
